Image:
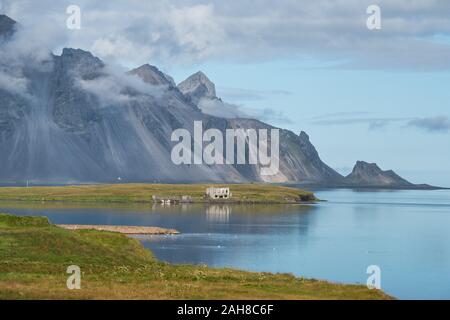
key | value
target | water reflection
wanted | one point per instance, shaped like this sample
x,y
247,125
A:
x,y
218,213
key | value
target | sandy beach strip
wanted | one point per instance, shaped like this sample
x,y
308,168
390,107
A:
x,y
130,230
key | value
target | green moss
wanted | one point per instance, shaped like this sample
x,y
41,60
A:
x,y
15,221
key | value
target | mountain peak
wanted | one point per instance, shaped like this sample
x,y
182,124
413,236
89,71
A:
x,y
197,87
152,75
76,53
7,25
304,136
201,76
363,165
4,19
82,62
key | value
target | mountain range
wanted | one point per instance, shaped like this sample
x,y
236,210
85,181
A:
x,y
70,118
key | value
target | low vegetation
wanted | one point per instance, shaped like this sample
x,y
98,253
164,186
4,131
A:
x,y
34,256
128,193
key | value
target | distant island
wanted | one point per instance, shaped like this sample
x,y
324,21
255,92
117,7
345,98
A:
x,y
370,176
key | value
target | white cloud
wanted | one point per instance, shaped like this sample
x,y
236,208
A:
x,y
13,84
222,109
116,86
29,47
188,31
433,124
239,94
119,48
197,29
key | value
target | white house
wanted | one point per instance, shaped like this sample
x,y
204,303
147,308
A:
x,y
218,193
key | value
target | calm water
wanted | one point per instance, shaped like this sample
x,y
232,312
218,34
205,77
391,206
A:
x,y
406,233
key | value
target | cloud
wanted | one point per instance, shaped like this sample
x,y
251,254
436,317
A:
x,y
379,124
234,108
29,47
188,31
221,109
218,108
370,119
120,48
14,84
373,123
430,124
273,116
239,94
434,124
341,114
116,86
28,50
35,35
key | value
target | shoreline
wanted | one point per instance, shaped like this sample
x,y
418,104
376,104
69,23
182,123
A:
x,y
237,203
172,194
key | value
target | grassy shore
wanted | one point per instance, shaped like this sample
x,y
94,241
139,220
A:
x,y
129,193
34,256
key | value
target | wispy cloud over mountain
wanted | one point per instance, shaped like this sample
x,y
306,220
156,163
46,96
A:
x,y
239,94
228,110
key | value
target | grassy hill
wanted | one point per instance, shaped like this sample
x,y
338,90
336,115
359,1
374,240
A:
x,y
34,256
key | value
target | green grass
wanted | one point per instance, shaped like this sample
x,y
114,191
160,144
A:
x,y
34,256
128,193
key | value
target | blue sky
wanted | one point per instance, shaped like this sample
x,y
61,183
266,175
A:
x,y
374,95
